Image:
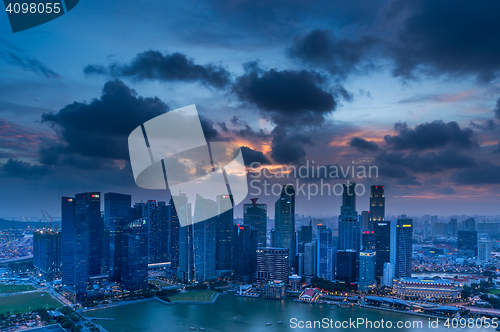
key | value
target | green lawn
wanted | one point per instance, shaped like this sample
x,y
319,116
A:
x,y
21,303
201,295
7,289
495,291
160,283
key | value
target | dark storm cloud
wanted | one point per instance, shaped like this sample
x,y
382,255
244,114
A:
x,y
253,156
429,162
153,65
242,129
431,135
320,48
363,145
208,129
15,56
288,96
99,128
21,169
286,148
447,37
486,173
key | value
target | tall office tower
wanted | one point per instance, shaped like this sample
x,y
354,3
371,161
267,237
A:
x,y
255,215
326,253
382,231
306,233
349,223
365,220
134,264
272,264
81,246
469,225
368,241
68,242
453,227
244,260
139,211
224,229
404,235
347,265
117,213
310,251
377,205
484,250
271,237
389,273
88,211
367,260
173,236
467,243
47,253
284,219
204,239
186,233
163,214
155,232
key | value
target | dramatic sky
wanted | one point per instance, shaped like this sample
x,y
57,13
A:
x,y
411,87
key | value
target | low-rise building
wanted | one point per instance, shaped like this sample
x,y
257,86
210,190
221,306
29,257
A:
x,y
426,288
275,290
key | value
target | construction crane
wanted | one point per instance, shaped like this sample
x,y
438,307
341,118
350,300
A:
x,y
52,221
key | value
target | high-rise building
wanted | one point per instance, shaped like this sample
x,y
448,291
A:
x,y
163,212
388,274
365,221
347,265
255,215
186,234
382,233
326,253
117,213
204,239
244,260
377,205
368,241
310,251
467,243
349,223
155,232
469,225
224,229
272,264
484,250
306,233
81,242
284,217
453,227
47,253
173,236
134,263
404,235
367,260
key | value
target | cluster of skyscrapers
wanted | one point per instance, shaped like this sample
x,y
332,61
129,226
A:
x,y
120,242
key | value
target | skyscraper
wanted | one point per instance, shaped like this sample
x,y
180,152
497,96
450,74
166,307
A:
x,y
186,233
204,239
404,235
347,265
255,215
467,243
155,232
272,264
367,260
117,213
382,231
81,242
134,263
47,253
173,236
469,225
285,220
326,253
310,252
484,250
377,205
244,260
349,223
224,229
